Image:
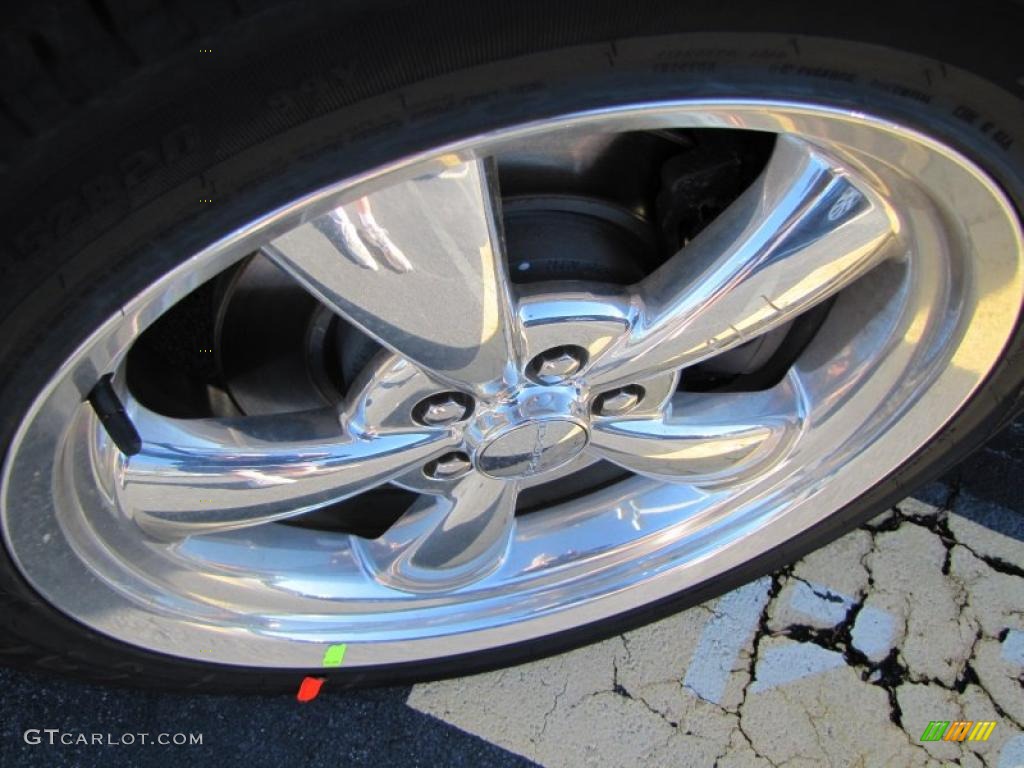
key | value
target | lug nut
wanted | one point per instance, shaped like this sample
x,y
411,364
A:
x,y
557,364
618,401
443,409
449,466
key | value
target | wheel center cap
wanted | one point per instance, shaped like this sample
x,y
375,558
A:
x,y
532,448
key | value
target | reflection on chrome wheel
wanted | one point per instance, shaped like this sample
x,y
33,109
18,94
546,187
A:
x,y
582,406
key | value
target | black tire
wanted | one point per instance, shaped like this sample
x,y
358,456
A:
x,y
113,128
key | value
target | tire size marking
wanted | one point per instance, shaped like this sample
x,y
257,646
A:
x,y
104,190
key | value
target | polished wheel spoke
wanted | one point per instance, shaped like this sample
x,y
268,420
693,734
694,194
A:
x,y
205,475
420,267
703,438
798,235
447,539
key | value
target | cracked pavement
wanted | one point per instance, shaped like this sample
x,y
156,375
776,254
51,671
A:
x,y
840,659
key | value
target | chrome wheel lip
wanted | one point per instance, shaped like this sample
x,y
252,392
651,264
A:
x,y
280,640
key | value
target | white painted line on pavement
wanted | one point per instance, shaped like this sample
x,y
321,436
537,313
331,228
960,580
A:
x,y
735,619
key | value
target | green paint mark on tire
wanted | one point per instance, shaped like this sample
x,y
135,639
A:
x,y
334,655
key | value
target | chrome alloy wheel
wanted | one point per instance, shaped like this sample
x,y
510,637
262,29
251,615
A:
x,y
163,532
